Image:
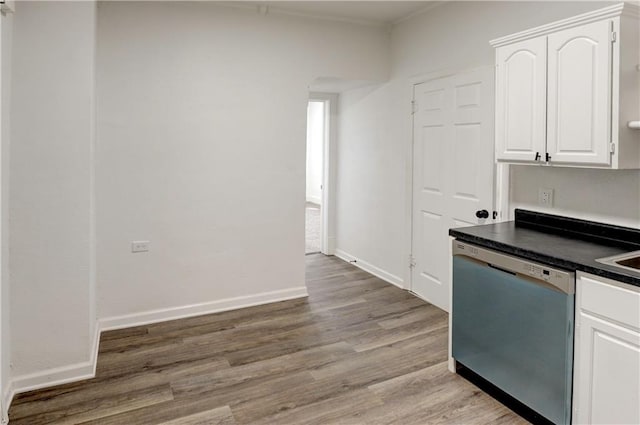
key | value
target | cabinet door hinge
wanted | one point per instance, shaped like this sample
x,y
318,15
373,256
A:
x,y
612,147
414,107
412,262
614,36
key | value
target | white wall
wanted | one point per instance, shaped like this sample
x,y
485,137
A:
x,y
315,141
371,179
50,193
6,25
611,196
202,110
375,130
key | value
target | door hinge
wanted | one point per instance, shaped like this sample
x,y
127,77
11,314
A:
x,y
414,107
612,147
412,262
614,36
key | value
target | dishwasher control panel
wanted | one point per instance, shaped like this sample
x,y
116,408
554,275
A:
x,y
560,279
540,272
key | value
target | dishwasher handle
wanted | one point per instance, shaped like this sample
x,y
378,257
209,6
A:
x,y
560,280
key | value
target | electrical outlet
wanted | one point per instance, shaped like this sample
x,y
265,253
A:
x,y
545,197
139,246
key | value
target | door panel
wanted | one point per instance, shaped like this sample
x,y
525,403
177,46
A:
x,y
434,259
432,151
579,118
453,172
521,100
465,156
607,373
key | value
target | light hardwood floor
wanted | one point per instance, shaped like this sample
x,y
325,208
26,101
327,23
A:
x,y
357,351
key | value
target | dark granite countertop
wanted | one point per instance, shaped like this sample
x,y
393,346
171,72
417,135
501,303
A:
x,y
565,243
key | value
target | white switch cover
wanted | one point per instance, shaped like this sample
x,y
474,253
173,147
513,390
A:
x,y
545,197
139,246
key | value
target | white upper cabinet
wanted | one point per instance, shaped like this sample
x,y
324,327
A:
x,y
567,90
521,100
579,94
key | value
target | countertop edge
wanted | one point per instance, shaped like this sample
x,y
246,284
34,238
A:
x,y
549,260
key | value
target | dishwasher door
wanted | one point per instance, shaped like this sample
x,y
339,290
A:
x,y
513,330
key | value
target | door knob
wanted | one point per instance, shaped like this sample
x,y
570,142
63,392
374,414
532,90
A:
x,y
482,214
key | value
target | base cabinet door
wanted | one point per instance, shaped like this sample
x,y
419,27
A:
x,y
608,384
606,387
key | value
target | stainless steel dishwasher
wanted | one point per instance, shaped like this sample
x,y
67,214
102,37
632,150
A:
x,y
513,327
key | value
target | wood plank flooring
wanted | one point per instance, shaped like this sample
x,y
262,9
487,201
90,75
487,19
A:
x,y
357,351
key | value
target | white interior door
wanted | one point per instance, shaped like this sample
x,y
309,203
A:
x,y
453,170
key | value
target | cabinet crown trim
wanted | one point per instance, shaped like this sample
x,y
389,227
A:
x,y
613,11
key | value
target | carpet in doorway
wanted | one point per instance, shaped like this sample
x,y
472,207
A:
x,y
312,228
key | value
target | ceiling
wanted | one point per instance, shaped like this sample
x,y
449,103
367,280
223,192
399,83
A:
x,y
371,12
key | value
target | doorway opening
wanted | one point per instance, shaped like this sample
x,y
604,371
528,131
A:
x,y
314,185
321,173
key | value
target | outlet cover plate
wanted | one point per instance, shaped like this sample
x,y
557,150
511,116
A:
x,y
140,246
545,196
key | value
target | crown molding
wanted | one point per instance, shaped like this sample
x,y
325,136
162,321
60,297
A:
x,y
627,9
432,5
632,9
266,9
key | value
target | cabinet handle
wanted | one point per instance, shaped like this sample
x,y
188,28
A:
x,y
548,156
537,156
634,125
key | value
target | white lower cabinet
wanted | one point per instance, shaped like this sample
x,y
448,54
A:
x,y
606,383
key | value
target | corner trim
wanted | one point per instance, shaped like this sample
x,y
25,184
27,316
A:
x,y
585,18
368,267
7,398
87,370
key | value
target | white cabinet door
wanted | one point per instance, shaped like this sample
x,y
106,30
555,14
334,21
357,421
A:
x,y
579,97
606,386
609,369
521,100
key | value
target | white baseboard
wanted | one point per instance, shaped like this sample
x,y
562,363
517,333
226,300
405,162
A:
x,y
52,377
163,315
314,199
368,267
87,370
